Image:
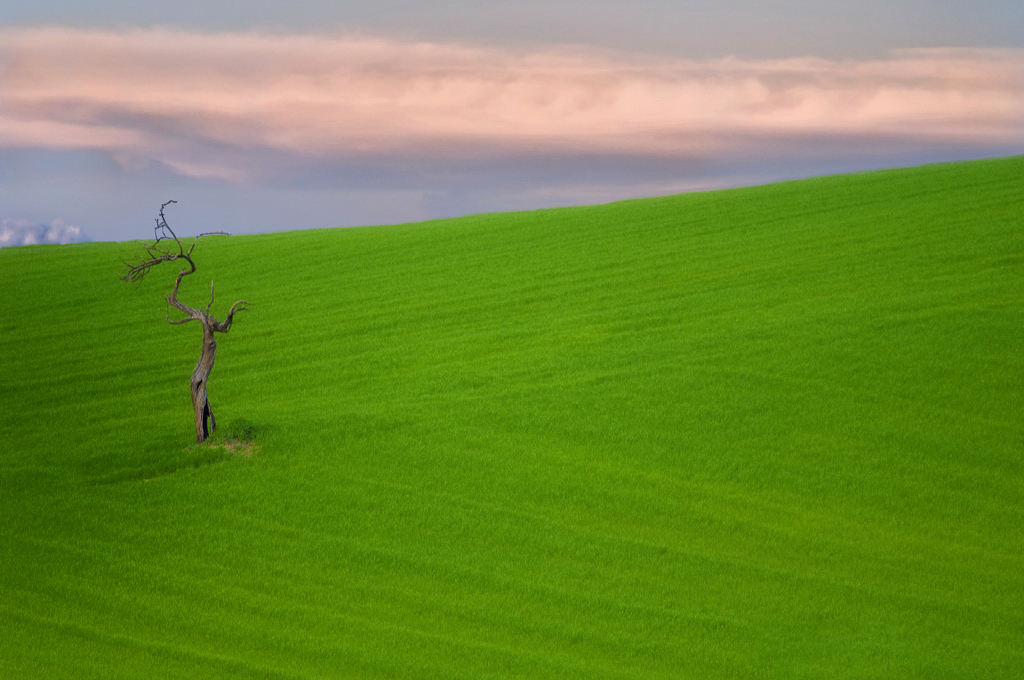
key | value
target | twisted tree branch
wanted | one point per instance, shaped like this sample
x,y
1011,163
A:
x,y
223,327
136,269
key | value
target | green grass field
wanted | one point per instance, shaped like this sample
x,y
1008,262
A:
x,y
771,432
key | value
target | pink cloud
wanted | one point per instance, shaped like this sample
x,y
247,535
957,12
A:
x,y
205,103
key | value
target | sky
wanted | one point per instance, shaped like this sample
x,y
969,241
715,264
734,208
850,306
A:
x,y
269,116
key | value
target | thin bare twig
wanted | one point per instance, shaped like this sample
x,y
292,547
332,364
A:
x,y
136,269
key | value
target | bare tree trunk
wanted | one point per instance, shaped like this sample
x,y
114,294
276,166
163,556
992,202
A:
x,y
200,377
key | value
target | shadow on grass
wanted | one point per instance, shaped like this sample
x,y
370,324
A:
x,y
161,458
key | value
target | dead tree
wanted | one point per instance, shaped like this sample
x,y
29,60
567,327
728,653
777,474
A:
x,y
167,247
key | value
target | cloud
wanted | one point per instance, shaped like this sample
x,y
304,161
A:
x,y
242,106
16,232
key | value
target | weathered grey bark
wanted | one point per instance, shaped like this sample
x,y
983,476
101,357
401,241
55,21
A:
x,y
201,374
204,420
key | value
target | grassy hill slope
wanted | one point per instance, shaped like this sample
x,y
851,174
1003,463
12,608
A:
x,y
764,432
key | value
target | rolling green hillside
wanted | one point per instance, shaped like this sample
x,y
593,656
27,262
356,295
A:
x,y
771,432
